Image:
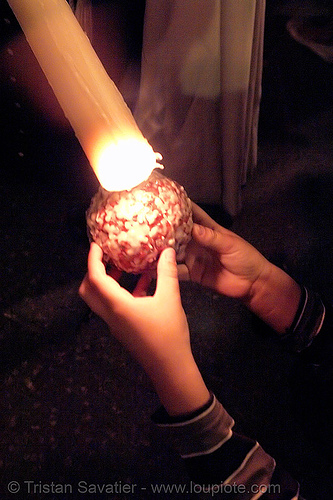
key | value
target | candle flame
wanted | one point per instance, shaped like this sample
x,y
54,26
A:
x,y
123,164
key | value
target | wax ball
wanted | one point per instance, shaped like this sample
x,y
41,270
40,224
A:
x,y
133,227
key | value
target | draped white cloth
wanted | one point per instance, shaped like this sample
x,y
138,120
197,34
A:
x,y
200,93
83,13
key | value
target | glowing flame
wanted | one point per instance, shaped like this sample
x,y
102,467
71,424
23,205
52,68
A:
x,y
124,164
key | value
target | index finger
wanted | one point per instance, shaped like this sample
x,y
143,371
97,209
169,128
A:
x,y
104,284
96,268
202,218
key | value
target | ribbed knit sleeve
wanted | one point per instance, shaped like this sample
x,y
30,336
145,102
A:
x,y
223,461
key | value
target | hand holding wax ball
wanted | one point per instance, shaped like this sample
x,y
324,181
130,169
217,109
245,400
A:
x,y
133,227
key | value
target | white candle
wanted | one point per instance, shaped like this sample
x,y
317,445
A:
x,y
119,154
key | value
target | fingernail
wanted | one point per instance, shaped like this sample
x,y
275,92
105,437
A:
x,y
200,230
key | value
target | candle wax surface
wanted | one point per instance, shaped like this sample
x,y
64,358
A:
x,y
96,110
133,227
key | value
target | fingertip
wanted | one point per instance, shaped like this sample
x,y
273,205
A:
x,y
209,237
167,271
203,234
96,250
95,261
82,287
141,288
169,255
198,230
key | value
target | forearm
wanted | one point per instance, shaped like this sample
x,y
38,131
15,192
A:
x,y
274,298
178,384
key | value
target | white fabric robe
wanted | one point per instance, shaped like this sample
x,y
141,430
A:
x,y
200,93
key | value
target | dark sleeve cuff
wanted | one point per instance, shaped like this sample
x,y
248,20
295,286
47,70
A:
x,y
307,323
214,454
199,434
161,416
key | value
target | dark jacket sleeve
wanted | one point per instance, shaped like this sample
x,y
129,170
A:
x,y
234,466
223,461
311,383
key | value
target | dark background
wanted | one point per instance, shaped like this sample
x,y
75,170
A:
x,y
74,406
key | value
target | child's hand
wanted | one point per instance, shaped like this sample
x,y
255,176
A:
x,y
153,328
220,259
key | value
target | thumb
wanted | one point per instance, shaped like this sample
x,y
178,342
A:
x,y
212,239
167,273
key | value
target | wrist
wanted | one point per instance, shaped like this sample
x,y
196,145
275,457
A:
x,y
179,385
274,298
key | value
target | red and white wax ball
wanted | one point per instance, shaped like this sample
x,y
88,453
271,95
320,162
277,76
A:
x,y
133,227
